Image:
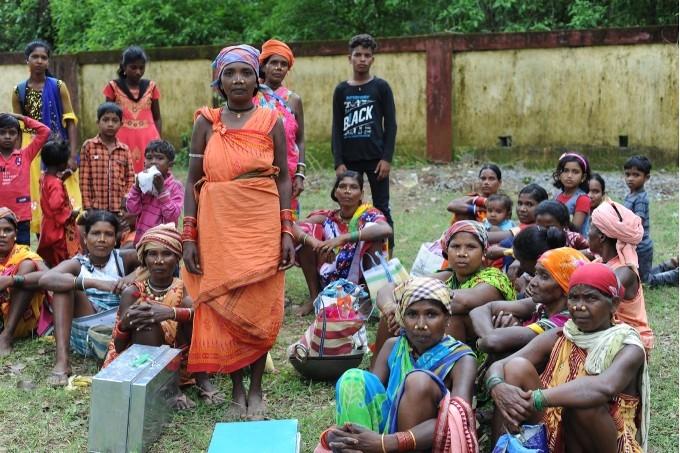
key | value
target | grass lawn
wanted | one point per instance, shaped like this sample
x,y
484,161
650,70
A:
x,y
42,419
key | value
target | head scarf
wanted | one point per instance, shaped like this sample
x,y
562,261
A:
x,y
561,264
276,47
618,222
242,53
465,226
417,289
598,276
9,215
163,236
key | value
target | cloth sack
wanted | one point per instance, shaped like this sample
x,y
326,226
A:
x,y
428,261
382,273
80,341
98,339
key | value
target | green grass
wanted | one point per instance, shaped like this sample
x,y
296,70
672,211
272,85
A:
x,y
46,419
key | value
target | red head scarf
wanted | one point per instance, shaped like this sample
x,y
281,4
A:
x,y
598,276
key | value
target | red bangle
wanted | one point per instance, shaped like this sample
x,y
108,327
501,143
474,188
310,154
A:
x,y
189,220
119,334
287,214
189,233
405,441
323,439
183,314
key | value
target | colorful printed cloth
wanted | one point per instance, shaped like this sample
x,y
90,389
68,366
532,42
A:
x,y
541,321
489,275
466,226
561,264
363,399
347,260
417,289
29,320
138,127
278,100
59,235
242,53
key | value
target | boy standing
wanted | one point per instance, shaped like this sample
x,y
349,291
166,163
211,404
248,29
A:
x,y
15,168
636,172
365,125
163,204
106,171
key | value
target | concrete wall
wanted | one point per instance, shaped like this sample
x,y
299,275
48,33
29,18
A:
x,y
567,96
10,75
184,87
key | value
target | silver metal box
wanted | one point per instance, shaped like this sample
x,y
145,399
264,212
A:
x,y
131,399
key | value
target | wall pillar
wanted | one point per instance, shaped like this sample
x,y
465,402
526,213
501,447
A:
x,y
439,87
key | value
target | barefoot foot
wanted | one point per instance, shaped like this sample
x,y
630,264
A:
x,y
304,309
237,409
5,346
257,407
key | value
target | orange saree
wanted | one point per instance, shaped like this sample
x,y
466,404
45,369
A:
x,y
238,301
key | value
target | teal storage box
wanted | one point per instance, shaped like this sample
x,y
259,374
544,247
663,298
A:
x,y
271,436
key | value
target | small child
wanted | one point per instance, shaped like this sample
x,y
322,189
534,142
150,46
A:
x,y
15,168
571,176
596,191
636,173
106,170
164,204
498,213
59,239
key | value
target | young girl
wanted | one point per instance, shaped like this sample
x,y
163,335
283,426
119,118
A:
x,y
498,213
139,99
58,232
596,191
571,177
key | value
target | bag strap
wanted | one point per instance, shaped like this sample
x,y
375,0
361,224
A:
x,y
22,95
385,267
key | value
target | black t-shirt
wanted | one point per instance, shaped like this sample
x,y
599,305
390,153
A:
x,y
364,122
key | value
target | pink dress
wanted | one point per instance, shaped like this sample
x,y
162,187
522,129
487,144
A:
x,y
278,100
138,127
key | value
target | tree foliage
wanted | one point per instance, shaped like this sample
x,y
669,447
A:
x,y
80,25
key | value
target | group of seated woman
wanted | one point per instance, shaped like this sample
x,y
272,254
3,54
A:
x,y
153,307
548,323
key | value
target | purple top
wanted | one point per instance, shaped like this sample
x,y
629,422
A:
x,y
152,211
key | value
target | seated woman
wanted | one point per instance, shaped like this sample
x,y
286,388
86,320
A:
x,y
334,242
473,284
156,309
553,213
473,206
528,246
587,382
504,327
87,284
396,406
20,297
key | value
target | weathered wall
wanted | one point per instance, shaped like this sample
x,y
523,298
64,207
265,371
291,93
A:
x,y
10,75
184,86
567,96
315,78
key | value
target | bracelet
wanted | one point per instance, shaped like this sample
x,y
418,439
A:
x,y
188,220
382,443
540,402
509,252
189,233
354,236
287,215
301,175
18,281
119,334
304,239
82,283
413,439
493,381
75,282
289,233
301,164
174,313
197,156
472,209
182,314
323,439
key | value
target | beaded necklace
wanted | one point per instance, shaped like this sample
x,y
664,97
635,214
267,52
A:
x,y
151,292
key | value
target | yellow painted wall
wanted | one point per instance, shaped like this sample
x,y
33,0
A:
x,y
10,76
315,78
184,87
587,95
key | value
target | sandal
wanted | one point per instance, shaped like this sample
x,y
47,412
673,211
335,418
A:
x,y
211,397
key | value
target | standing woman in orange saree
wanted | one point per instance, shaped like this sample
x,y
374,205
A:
x,y
237,232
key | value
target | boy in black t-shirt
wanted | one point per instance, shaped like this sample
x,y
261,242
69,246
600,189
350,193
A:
x,y
364,124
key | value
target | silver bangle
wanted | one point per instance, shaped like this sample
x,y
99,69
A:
x,y
301,164
197,156
301,175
